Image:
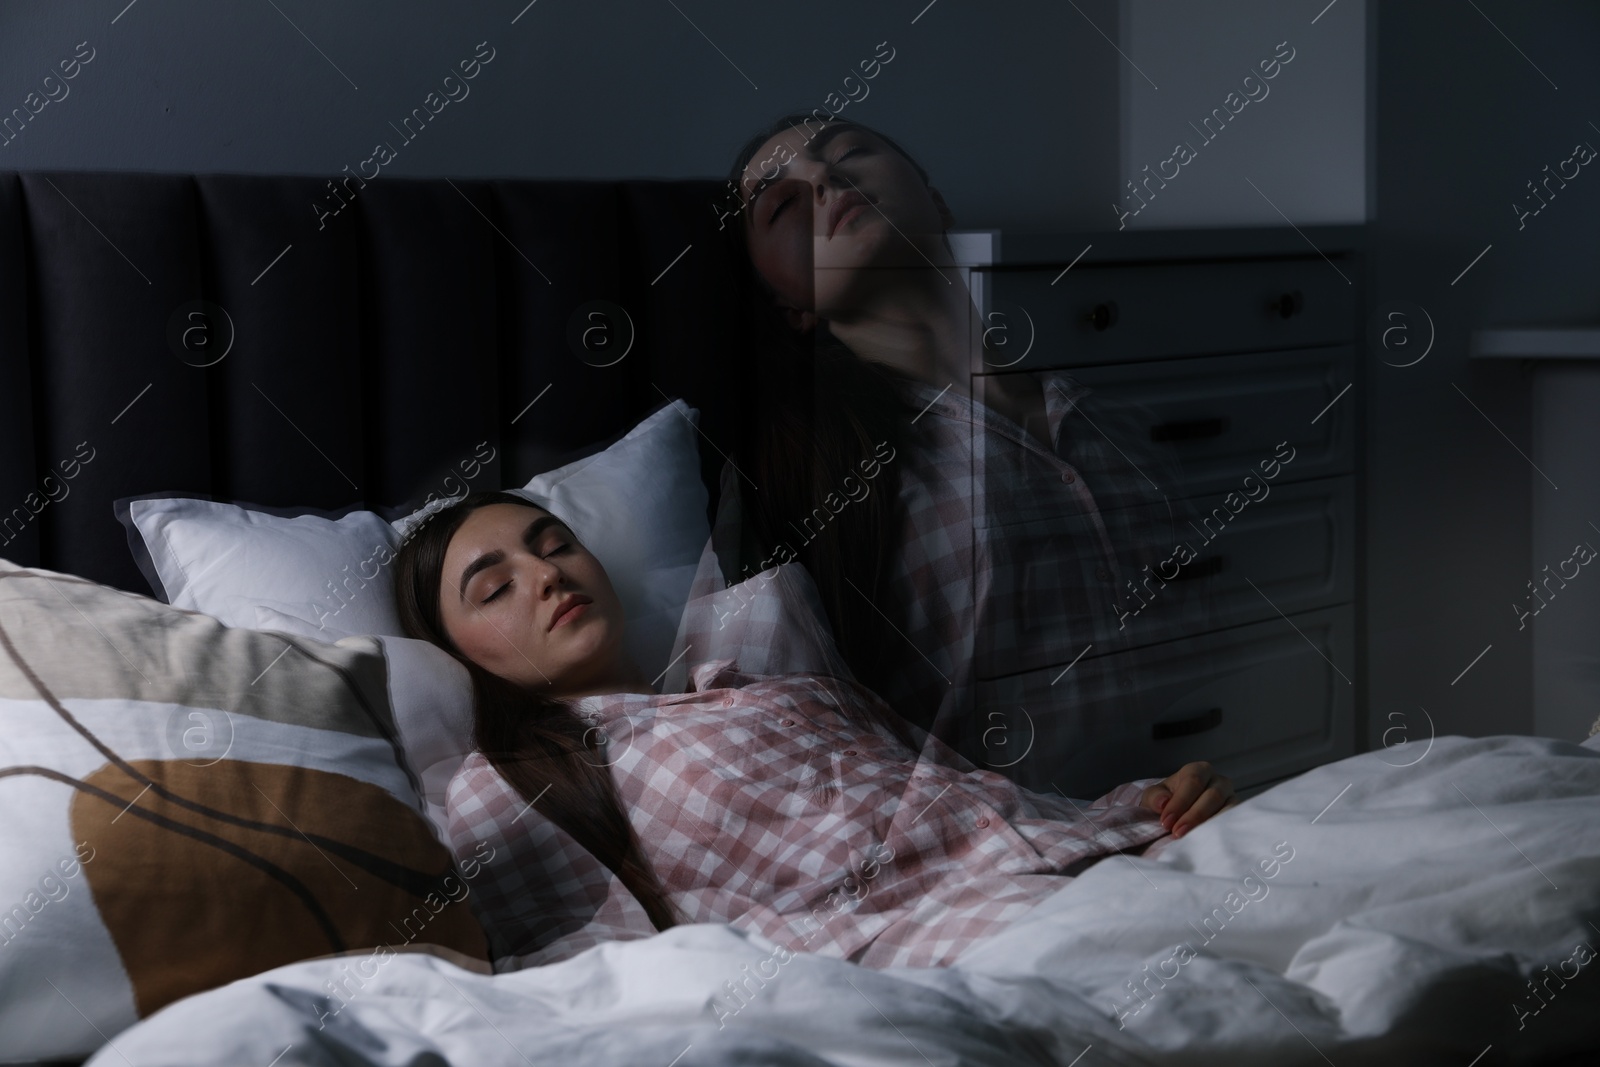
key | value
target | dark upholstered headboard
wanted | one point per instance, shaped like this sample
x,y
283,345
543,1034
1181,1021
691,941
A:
x,y
373,347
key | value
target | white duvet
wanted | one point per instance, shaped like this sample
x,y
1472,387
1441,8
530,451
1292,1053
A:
x,y
1367,912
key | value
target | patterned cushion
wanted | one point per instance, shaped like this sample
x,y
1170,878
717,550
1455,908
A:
x,y
188,804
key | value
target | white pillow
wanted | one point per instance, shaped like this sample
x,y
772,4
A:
x,y
222,559
770,623
639,506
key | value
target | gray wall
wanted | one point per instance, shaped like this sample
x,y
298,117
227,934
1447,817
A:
x,y
1013,111
1467,119
1301,141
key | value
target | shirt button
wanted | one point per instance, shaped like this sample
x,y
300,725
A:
x,y
848,752
727,702
788,722
1068,477
1102,573
983,821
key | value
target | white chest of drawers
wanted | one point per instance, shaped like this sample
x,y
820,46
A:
x,y
1235,343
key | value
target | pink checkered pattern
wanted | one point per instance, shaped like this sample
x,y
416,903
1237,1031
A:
x,y
541,897
762,801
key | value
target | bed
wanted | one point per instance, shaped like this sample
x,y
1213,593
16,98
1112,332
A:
x,y
1370,942
213,339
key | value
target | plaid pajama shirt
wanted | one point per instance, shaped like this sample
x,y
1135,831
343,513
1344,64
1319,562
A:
x,y
1013,559
760,803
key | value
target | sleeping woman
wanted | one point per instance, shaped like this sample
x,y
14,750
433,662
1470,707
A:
x,y
796,806
960,526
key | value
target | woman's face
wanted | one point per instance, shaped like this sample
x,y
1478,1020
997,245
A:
x,y
511,574
821,216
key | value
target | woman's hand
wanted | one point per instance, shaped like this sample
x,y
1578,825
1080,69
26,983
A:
x,y
1189,797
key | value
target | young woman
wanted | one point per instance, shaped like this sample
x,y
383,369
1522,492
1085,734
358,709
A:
x,y
960,527
788,805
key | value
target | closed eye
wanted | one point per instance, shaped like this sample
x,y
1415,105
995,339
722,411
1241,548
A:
x,y
556,551
781,205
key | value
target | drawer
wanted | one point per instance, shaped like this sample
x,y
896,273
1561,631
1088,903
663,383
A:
x,y
1216,420
1117,314
1047,594
1296,544
1260,701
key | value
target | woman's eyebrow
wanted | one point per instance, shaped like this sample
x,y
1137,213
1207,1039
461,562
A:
x,y
813,147
489,559
483,562
537,527
826,135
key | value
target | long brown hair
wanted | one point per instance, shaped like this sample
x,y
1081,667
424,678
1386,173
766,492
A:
x,y
537,743
825,412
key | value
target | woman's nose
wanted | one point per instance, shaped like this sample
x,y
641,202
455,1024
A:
x,y
546,575
826,177
819,175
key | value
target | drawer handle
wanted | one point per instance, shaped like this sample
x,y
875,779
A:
x,y
1104,316
1289,304
1209,719
1203,569
1189,429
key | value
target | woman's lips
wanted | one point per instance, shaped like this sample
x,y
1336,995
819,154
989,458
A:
x,y
844,208
849,213
570,613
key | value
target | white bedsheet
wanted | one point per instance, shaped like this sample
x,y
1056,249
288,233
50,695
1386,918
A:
x,y
1418,902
